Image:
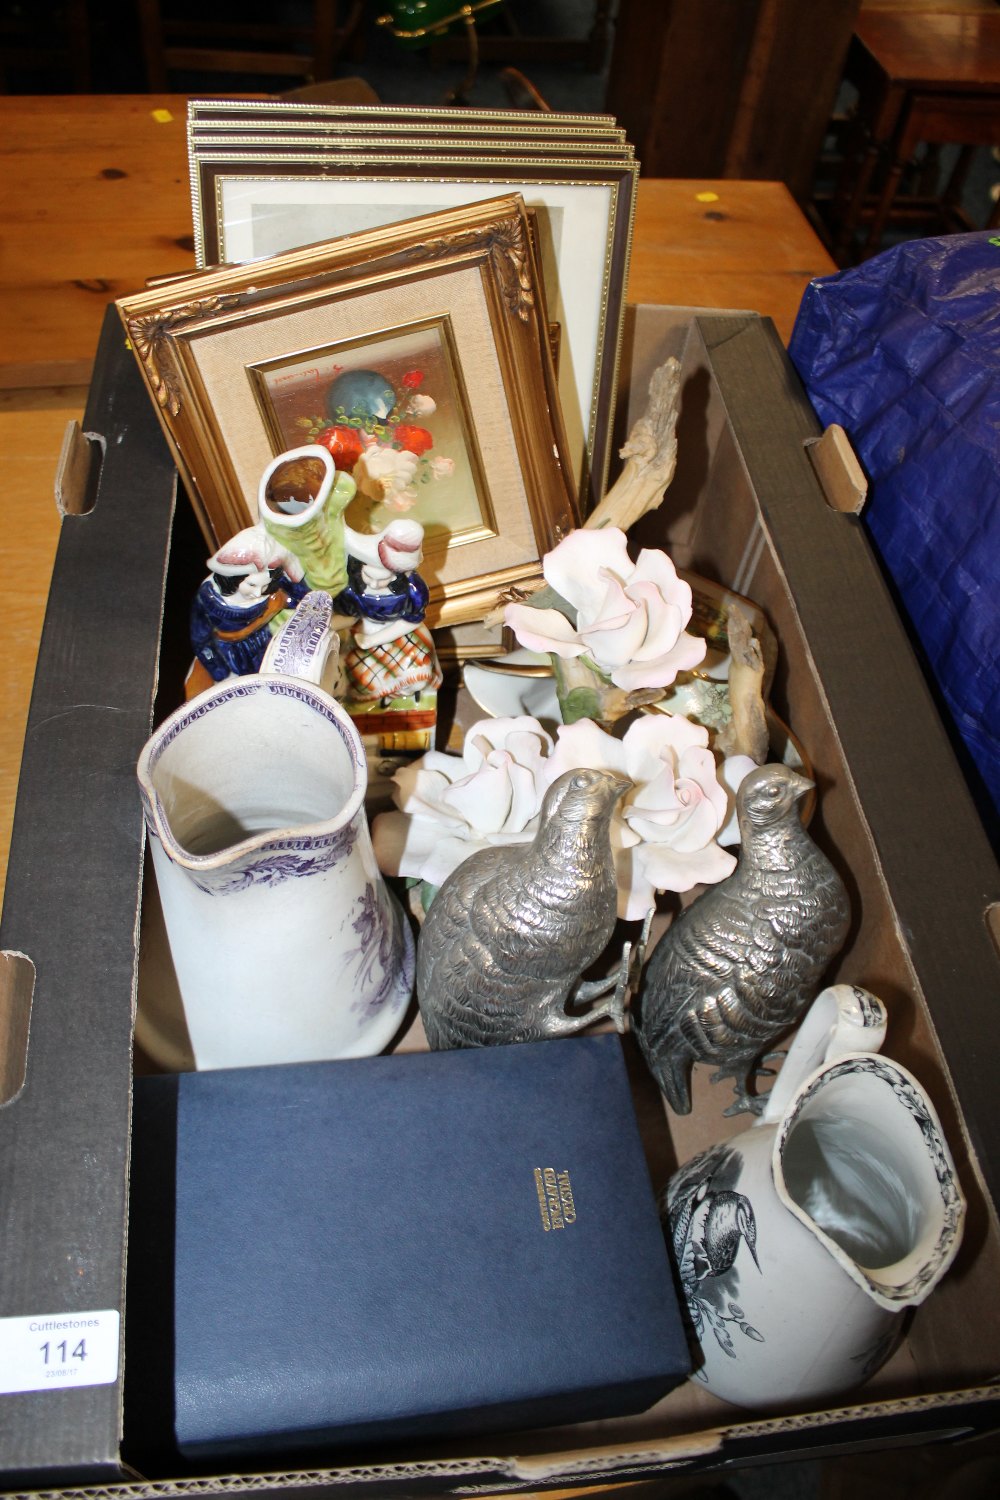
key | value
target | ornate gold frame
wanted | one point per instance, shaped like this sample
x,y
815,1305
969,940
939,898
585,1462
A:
x,y
585,296
196,337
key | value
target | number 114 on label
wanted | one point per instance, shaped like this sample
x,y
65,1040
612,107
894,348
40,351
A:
x,y
56,1350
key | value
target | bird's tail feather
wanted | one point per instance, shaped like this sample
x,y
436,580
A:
x,y
671,1071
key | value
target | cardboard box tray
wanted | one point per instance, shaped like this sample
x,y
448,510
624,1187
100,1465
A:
x,y
745,508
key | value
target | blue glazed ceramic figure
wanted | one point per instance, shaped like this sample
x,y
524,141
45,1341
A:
x,y
252,584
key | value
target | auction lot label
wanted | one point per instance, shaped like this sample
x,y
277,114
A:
x,y
56,1350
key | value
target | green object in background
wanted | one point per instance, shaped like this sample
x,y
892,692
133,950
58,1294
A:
x,y
417,23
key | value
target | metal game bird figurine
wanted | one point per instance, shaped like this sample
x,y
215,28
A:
x,y
737,967
512,929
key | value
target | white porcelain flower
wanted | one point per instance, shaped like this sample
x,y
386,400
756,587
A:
x,y
630,616
421,406
450,805
665,831
385,473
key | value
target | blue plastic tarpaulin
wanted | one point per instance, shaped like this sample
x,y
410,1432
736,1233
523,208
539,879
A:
x,y
904,352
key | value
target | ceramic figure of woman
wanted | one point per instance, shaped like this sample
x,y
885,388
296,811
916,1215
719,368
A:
x,y
253,582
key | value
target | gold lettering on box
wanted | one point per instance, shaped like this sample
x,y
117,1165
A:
x,y
566,1198
542,1205
555,1198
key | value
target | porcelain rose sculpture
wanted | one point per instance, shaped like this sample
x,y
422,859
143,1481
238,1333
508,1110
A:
x,y
666,833
615,630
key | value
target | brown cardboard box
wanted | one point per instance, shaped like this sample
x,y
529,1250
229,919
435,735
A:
x,y
894,814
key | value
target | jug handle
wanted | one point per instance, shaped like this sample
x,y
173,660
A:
x,y
303,645
843,1018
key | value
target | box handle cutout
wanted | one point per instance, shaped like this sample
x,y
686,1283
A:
x,y
17,988
838,470
78,473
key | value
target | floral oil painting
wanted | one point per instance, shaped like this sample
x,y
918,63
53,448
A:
x,y
392,411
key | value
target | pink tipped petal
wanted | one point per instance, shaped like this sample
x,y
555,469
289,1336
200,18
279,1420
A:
x,y
687,652
614,642
653,828
543,630
657,568
731,773
658,737
684,655
665,637
667,870
635,891
574,567
647,762
615,607
484,800
446,855
525,801
698,767
656,794
436,763
696,828
665,620
423,792
403,845
584,744
487,735
530,747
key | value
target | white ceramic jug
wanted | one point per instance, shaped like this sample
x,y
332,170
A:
x,y
799,1242
286,943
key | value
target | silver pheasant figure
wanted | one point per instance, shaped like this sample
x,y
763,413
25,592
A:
x,y
741,962
512,929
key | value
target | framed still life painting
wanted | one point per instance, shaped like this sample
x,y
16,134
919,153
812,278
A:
x,y
254,203
417,353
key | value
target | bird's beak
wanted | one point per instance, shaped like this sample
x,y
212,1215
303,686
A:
x,y
622,784
800,784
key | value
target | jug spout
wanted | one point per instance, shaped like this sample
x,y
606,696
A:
x,y
860,1159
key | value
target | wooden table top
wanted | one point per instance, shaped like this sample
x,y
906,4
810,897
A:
x,y
956,52
95,199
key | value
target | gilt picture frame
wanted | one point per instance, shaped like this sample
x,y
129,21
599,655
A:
x,y
245,207
298,116
447,312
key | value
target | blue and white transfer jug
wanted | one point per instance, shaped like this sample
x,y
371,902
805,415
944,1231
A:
x,y
799,1242
285,942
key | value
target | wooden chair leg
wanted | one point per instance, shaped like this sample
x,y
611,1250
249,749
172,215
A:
x,y
332,36
906,144
951,196
855,197
151,32
597,37
79,34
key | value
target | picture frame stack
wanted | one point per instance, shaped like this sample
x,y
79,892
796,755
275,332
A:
x,y
271,176
443,289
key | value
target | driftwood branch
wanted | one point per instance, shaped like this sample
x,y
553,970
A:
x,y
650,455
746,733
